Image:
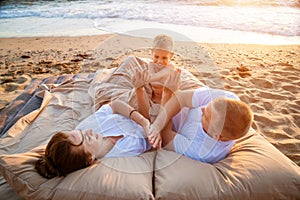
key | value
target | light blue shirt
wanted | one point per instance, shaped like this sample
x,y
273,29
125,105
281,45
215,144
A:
x,y
191,140
106,123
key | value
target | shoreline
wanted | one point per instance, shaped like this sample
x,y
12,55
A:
x,y
67,27
264,76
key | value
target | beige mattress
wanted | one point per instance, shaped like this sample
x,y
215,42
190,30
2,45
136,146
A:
x,y
254,169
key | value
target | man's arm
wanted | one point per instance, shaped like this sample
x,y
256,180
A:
x,y
167,135
179,100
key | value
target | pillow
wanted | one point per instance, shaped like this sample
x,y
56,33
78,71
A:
x,y
112,178
254,169
67,104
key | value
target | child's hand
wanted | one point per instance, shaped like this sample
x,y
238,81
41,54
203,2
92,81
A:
x,y
173,81
140,78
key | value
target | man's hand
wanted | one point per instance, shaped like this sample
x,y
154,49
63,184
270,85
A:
x,y
140,78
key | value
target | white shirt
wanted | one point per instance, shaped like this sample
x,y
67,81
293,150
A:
x,y
106,123
191,140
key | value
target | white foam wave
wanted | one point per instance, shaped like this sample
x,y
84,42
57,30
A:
x,y
276,20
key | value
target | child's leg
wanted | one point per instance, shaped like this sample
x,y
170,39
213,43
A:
x,y
143,102
140,79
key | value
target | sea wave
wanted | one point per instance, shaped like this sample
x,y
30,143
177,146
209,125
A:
x,y
8,4
278,17
260,3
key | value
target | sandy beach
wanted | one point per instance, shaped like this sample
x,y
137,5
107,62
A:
x,y
264,76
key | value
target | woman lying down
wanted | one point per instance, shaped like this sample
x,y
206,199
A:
x,y
115,130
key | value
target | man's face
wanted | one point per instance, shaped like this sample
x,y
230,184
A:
x,y
212,124
206,118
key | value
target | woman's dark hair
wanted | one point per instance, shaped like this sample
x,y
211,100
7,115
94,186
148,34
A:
x,y
62,157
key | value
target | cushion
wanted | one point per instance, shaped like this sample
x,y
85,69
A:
x,y
254,169
111,178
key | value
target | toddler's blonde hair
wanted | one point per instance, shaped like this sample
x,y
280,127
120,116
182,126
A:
x,y
163,42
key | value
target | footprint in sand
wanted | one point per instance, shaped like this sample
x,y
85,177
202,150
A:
x,y
297,102
256,108
293,108
10,87
16,84
268,106
289,75
272,95
262,83
291,88
248,97
263,119
243,71
293,78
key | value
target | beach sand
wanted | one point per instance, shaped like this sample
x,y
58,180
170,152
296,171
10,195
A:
x,y
264,76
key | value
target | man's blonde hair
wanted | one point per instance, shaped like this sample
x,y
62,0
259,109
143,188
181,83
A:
x,y
235,116
163,42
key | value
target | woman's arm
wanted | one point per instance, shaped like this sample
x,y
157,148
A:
x,y
122,108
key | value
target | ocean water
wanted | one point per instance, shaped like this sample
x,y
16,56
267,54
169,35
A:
x,y
233,21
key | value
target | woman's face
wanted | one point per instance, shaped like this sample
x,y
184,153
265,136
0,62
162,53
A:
x,y
92,142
